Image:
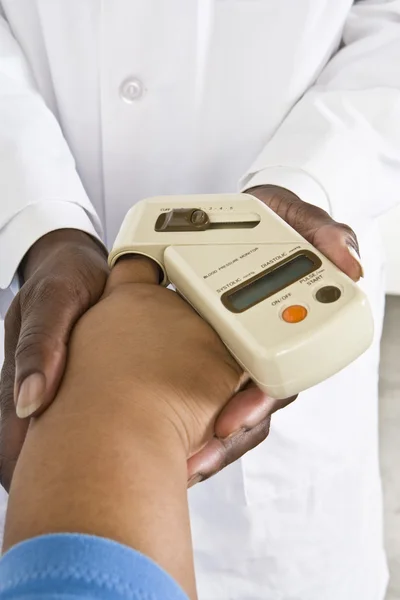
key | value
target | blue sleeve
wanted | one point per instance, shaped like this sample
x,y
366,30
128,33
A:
x,y
79,567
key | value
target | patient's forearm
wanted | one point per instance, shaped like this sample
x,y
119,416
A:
x,y
96,466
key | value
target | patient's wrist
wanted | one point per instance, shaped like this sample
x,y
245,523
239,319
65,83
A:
x,y
109,460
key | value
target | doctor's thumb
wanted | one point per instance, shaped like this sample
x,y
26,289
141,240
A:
x,y
40,355
64,274
47,315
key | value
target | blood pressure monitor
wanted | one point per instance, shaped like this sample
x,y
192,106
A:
x,y
289,316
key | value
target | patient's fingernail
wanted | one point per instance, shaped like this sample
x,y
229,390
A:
x,y
356,257
194,480
30,396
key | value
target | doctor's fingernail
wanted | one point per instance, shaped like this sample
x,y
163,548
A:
x,y
356,257
31,395
236,433
194,480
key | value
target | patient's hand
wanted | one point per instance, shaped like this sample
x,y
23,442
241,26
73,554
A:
x,y
145,381
141,336
146,386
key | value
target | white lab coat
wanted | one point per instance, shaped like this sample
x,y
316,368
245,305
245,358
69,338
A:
x,y
104,102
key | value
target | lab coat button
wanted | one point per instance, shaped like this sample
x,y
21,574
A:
x,y
131,90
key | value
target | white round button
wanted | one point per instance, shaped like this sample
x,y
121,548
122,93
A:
x,y
131,90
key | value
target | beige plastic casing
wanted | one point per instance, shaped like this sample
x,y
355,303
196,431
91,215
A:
x,y
282,358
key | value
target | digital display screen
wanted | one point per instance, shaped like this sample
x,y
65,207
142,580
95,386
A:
x,y
271,282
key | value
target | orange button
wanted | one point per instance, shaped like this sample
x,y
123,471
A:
x,y
294,314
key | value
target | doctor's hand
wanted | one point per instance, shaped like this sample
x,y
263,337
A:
x,y
64,273
339,243
336,240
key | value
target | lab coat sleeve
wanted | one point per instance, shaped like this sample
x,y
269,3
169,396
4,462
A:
x,y
40,190
339,147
